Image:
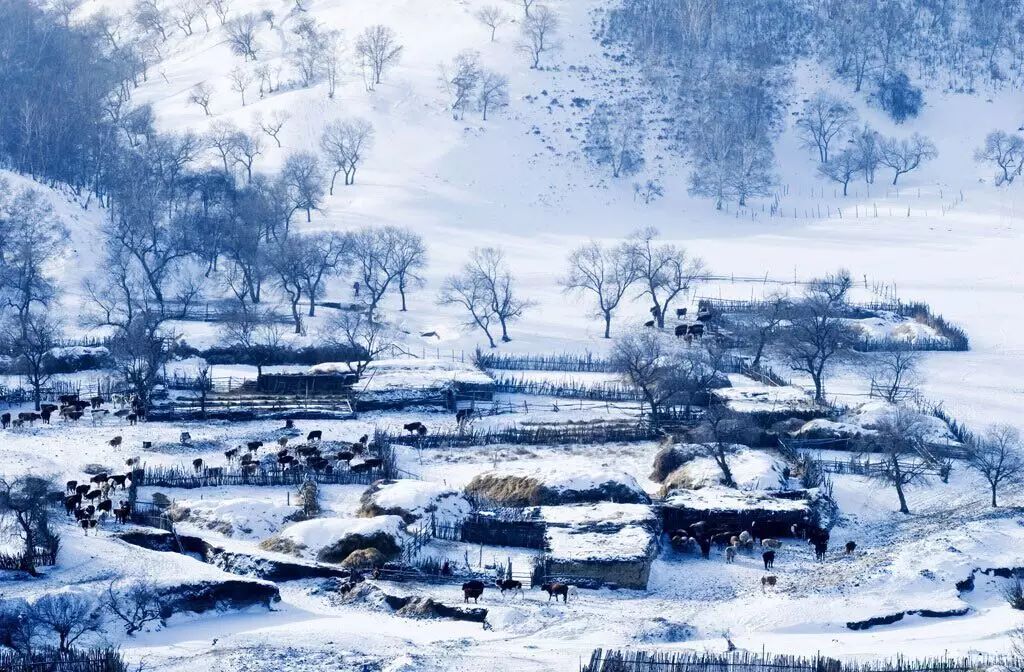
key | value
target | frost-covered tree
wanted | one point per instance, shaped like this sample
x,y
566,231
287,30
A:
x,y
304,181
241,34
377,49
345,144
900,439
997,457
823,118
615,137
492,93
200,95
410,259
895,377
841,167
492,17
605,272
816,333
274,124
867,147
906,154
460,80
468,290
537,34
1006,152
240,79
375,257
664,271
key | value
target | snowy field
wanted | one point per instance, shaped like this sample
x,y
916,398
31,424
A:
x,y
946,236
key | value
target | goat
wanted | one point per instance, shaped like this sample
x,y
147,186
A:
x,y
556,589
510,584
768,582
99,413
472,589
769,559
315,435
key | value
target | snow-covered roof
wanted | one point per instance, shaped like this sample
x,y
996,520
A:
x,y
887,325
321,532
601,512
630,542
392,374
420,497
749,396
721,498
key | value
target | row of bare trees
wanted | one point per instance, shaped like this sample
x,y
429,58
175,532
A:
x,y
661,272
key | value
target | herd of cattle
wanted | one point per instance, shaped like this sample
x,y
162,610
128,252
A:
x,y
71,408
90,502
311,455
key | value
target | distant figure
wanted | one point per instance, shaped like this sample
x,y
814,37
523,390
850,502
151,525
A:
x,y
446,569
355,289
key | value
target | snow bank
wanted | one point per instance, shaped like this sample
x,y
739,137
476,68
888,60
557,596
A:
x,y
334,539
751,469
888,326
237,517
749,396
721,498
412,499
522,487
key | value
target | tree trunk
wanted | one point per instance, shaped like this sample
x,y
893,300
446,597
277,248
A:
x,y
903,499
607,325
296,317
994,504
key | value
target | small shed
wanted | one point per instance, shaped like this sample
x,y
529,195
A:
x,y
722,508
601,544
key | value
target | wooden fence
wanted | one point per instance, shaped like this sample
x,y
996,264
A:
x,y
533,436
491,531
16,561
697,661
549,389
572,362
178,477
52,660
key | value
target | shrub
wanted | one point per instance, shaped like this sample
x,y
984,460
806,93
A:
x,y
898,97
1014,593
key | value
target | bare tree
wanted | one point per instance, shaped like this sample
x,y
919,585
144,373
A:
x,y
900,439
150,18
867,148
721,436
823,118
468,290
26,500
377,49
365,339
241,33
200,95
817,333
842,168
257,333
223,139
221,9
409,259
492,17
289,261
896,377
495,277
272,126
1006,151
332,57
375,257
187,12
997,457
137,605
664,271
907,154
607,273
68,616
30,339
326,253
461,81
247,148
762,327
526,5
537,34
304,181
240,79
663,371
344,143
492,92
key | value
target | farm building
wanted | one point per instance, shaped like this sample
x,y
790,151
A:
x,y
774,513
601,544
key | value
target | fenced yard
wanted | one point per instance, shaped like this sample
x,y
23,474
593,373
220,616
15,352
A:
x,y
179,477
571,362
695,661
491,531
592,432
51,660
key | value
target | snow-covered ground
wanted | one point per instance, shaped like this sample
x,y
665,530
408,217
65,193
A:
x,y
946,236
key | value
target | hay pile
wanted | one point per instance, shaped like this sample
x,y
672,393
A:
x,y
670,457
548,488
382,543
364,558
335,539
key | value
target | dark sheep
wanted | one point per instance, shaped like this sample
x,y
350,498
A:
x,y
472,589
769,559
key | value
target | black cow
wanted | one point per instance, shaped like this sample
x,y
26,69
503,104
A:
x,y
315,435
510,584
412,427
253,446
472,589
769,559
5,420
556,589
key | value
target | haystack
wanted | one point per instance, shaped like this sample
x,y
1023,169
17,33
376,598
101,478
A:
x,y
565,486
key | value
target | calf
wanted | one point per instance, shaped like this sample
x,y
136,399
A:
x,y
48,407
768,582
115,442
315,435
851,546
5,420
472,589
120,480
556,589
730,555
510,584
253,446
87,524
769,559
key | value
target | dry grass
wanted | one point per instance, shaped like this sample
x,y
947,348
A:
x,y
339,551
668,458
284,545
508,490
364,558
679,479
